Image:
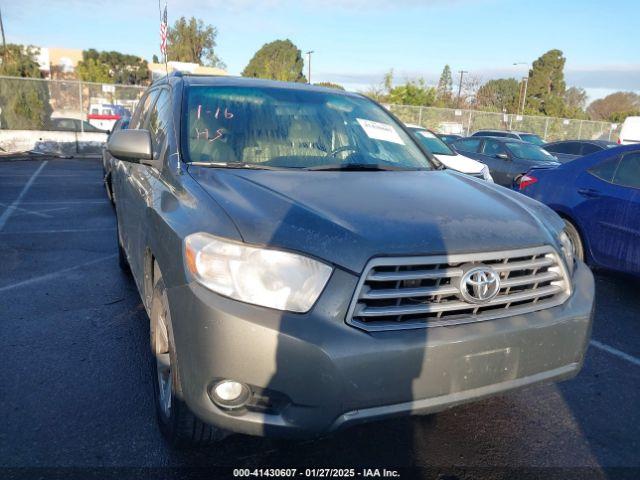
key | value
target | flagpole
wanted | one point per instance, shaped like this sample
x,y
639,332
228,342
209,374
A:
x,y
164,34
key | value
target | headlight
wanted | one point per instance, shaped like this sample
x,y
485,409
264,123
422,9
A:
x,y
568,250
486,174
271,278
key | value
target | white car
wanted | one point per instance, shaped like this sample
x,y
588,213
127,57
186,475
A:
x,y
449,157
630,131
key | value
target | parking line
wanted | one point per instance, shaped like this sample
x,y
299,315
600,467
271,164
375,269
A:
x,y
68,202
51,275
616,352
66,230
29,212
7,213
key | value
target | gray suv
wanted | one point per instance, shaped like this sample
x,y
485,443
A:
x,y
307,266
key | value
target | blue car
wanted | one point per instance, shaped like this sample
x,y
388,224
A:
x,y
598,196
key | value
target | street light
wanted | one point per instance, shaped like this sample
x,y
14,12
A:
x,y
525,80
309,65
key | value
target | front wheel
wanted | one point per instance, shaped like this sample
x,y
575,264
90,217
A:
x,y
177,423
576,240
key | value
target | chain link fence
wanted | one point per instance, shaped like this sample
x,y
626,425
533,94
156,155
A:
x,y
465,122
73,117
61,116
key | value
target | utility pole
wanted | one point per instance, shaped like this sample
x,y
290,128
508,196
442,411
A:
x,y
523,89
4,42
525,80
461,72
309,66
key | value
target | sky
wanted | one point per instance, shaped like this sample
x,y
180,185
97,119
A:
x,y
356,41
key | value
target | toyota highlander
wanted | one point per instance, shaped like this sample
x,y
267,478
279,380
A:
x,y
307,265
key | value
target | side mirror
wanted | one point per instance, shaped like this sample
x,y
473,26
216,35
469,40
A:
x,y
502,156
130,145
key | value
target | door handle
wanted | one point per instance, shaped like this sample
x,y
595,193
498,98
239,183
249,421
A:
x,y
589,192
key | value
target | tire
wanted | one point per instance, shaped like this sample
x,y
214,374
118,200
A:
x,y
575,238
178,424
109,188
123,263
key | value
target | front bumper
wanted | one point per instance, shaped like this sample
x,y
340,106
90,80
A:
x,y
334,375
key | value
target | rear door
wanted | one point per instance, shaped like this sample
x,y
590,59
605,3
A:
x,y
610,211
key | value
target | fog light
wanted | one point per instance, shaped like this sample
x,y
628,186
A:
x,y
229,394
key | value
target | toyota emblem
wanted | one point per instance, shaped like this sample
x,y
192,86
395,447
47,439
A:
x,y
479,284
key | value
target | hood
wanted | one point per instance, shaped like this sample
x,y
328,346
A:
x,y
348,217
461,163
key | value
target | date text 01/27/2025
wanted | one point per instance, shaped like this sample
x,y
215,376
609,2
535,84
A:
x,y
316,472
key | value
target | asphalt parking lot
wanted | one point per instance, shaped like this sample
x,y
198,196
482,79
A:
x,y
75,389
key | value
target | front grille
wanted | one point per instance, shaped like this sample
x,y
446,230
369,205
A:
x,y
418,292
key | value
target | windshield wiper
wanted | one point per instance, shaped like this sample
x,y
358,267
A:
x,y
252,166
355,167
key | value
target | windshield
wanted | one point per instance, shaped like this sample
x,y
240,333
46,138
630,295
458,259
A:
x,y
431,142
530,152
290,128
532,138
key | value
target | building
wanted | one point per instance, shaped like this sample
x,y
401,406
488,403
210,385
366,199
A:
x,y
55,62
158,70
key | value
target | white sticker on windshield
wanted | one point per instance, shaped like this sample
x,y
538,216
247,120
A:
x,y
426,134
380,131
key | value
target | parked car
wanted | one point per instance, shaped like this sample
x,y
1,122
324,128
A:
x,y
307,265
630,131
524,136
108,160
567,150
598,196
450,158
73,125
449,138
506,158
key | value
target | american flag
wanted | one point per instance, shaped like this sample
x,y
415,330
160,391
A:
x,y
163,32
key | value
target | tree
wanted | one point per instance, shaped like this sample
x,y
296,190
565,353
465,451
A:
x,y
546,87
614,106
194,42
91,70
413,92
499,95
155,59
329,85
575,98
445,85
24,105
278,60
112,67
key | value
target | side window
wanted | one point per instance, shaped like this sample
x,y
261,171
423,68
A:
x,y
588,148
628,172
142,109
467,145
605,169
159,122
65,125
493,148
501,134
557,148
